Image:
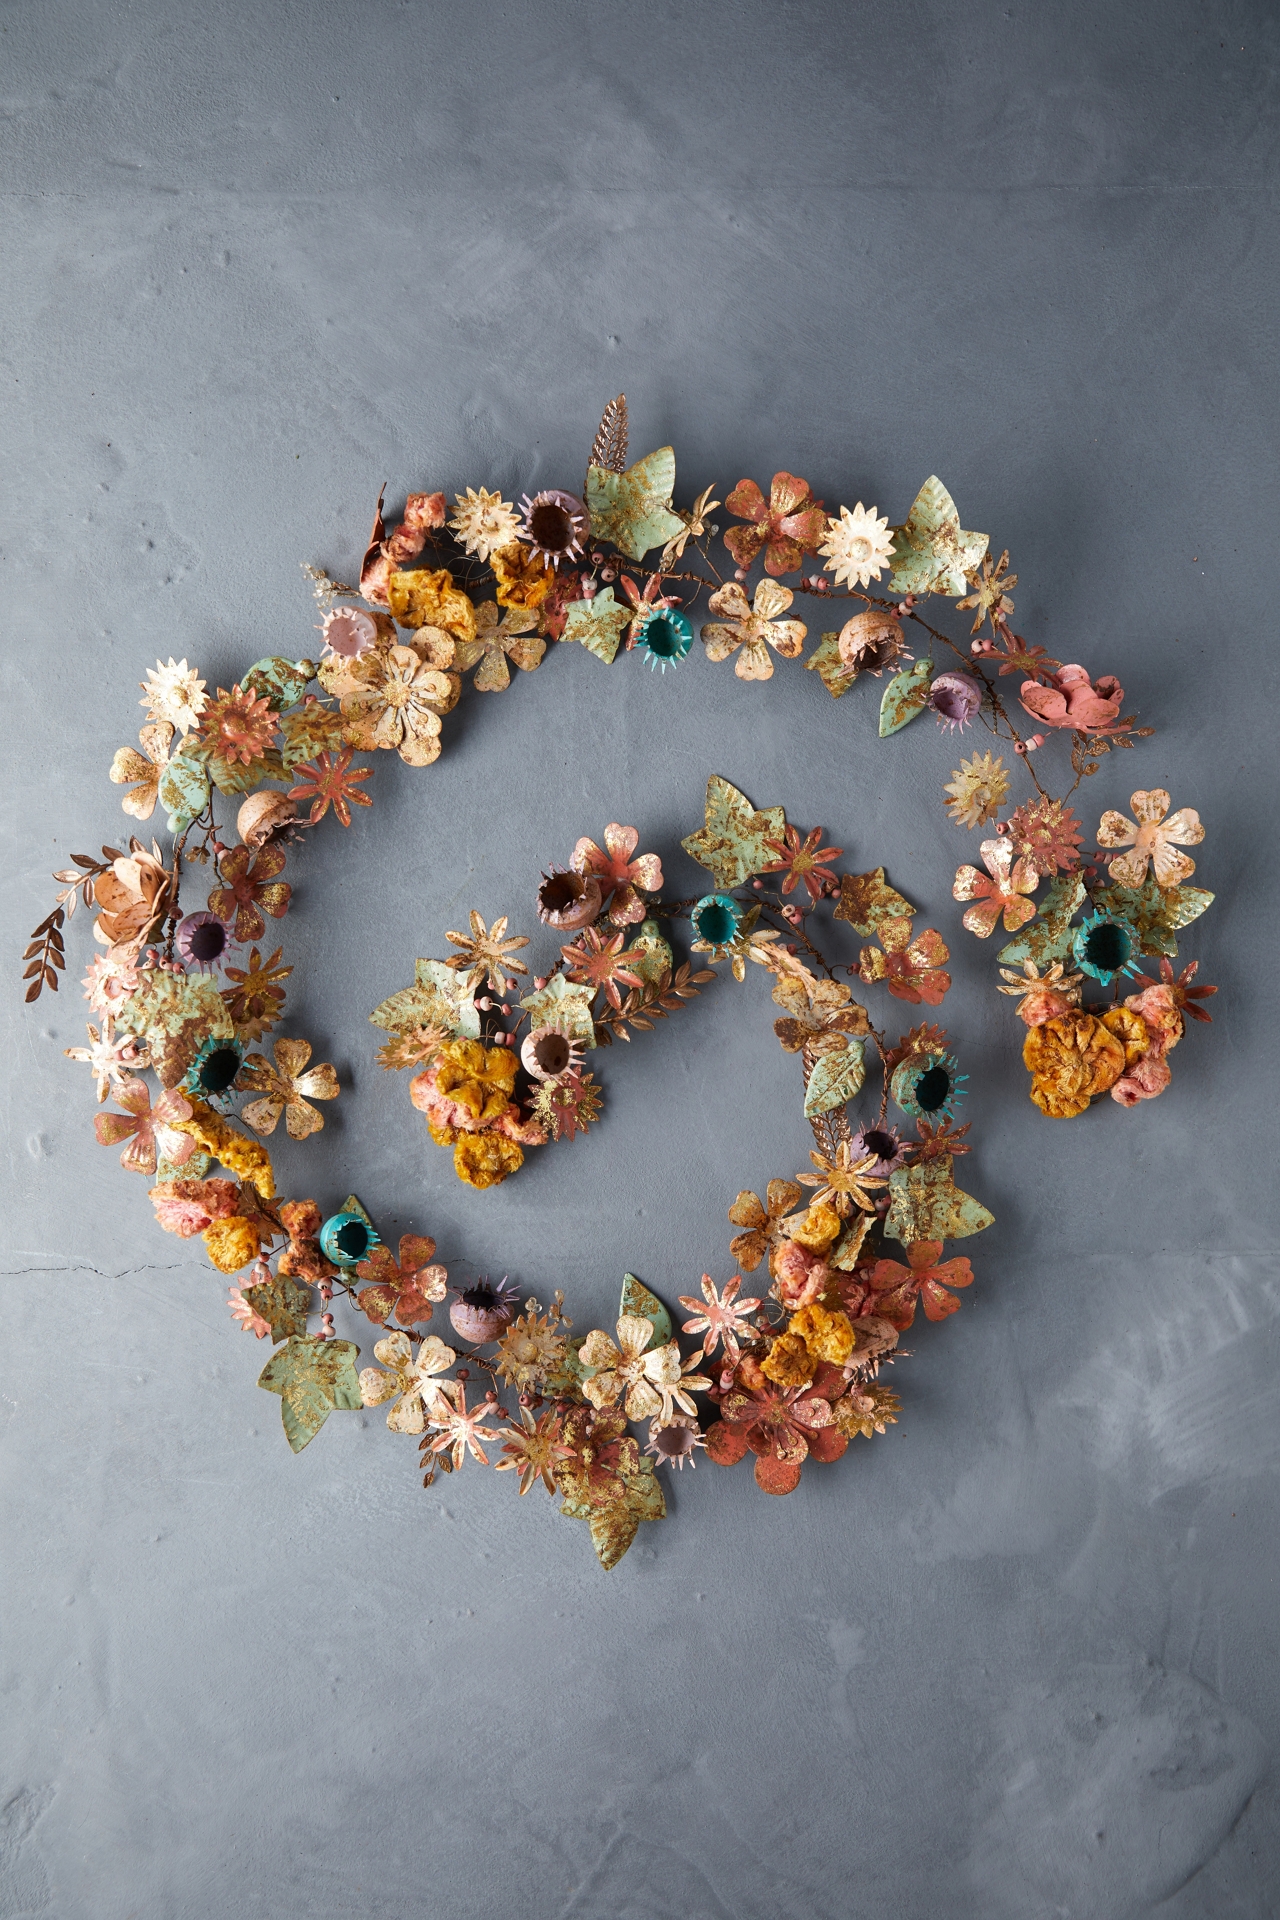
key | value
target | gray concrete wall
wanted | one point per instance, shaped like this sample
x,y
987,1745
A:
x,y
1019,1657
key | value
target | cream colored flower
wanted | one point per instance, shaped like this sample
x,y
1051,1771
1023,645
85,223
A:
x,y
484,522
754,628
1153,838
408,1380
288,1088
145,768
857,546
499,637
644,1382
398,704
174,693
978,789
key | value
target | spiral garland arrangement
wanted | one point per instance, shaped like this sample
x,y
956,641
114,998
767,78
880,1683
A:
x,y
793,1372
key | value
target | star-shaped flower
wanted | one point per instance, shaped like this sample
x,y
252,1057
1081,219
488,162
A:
x,y
255,998
753,628
857,546
174,695
328,781
534,1449
483,522
843,1181
1047,833
596,959
1154,838
1180,990
1002,889
461,1432
990,596
801,860
721,1317
110,1059
485,954
978,788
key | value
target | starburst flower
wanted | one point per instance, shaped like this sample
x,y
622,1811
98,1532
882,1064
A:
x,y
752,628
857,546
979,788
720,1316
954,698
348,632
1182,994
596,959
534,1449
110,1059
787,526
990,597
409,1378
530,1350
1001,890
1154,838
250,1320
802,860
843,1180
1047,834
202,939
239,726
1015,656
174,694
461,1432
941,1139
620,872
483,522
554,525
330,781
568,1105
255,997
485,953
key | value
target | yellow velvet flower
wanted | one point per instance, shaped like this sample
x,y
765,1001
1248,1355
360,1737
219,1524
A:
x,y
231,1244
828,1336
231,1149
790,1362
485,1159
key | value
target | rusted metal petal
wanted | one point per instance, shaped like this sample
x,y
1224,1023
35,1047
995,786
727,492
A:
x,y
735,841
633,510
867,899
905,697
175,1013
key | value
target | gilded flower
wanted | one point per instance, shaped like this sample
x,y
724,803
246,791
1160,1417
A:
x,y
819,1013
530,1350
646,1382
1040,996
134,896
348,632
486,954
1001,890
720,1317
979,788
1047,834
468,1086
522,579
289,1088
330,781
110,1059
534,1450
250,889
398,704
913,969
1154,838
255,998
857,546
843,1180
414,1047
143,768
1015,656
866,1410
483,1160
567,1105
763,1221
238,726
554,526
1071,1058
789,525
926,1277
619,871
149,1130
483,522
991,585
802,860
596,959
781,1426
499,638
408,1380
460,1432
405,1286
753,628
174,695
1071,699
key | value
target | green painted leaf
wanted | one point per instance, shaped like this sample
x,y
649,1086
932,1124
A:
x,y
650,953
867,900
564,1003
835,1080
175,1013
282,1302
1048,937
734,843
836,676
905,697
309,730
282,682
637,1299
1155,913
313,1378
930,553
598,624
233,776
439,997
926,1204
184,792
614,1527
633,510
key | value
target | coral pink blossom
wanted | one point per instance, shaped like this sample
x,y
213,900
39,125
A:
x,y
1004,892
1072,700
619,875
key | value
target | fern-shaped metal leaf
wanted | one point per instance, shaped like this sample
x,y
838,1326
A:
x,y
609,448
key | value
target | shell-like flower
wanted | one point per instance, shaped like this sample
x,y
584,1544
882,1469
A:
x,y
143,768
349,632
398,704
1002,889
289,1088
551,1051
619,872
955,698
265,815
483,522
789,525
174,694
753,628
149,1130
627,1372
857,547
554,525
1153,837
872,641
568,901
978,788
501,635
133,896
1071,699
482,1312
407,1379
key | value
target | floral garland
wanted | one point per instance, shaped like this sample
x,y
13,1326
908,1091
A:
x,y
793,1373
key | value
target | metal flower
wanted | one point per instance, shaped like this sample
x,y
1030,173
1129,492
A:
x,y
174,694
483,522
620,873
239,726
626,1372
149,1130
202,939
802,860
109,1059
250,889
406,1285
666,637
721,1317
255,998
990,597
461,1432
1104,947
1154,838
763,1220
330,781
534,1449
289,1088
955,698
788,526
409,1378
597,960
895,1288
857,546
1048,834
1040,996
398,703
1001,890
1071,699
753,628
913,969
843,1180
927,1085
143,768
501,635
486,955
554,525
978,788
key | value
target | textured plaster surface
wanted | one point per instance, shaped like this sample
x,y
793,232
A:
x,y
1019,1658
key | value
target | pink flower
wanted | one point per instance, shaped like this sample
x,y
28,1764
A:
x,y
1143,1080
619,875
1002,893
1071,700
145,1127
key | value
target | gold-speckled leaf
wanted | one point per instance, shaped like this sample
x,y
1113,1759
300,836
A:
x,y
650,953
1048,937
836,674
614,1527
175,1013
280,682
643,1305
598,624
564,1004
931,553
867,899
734,843
836,1079
633,510
312,1377
283,1304
926,1204
905,698
439,997
1155,913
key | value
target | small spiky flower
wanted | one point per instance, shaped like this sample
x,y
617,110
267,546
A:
x,y
529,1350
554,525
1048,834
174,693
239,726
483,522
673,1441
979,788
568,1105
857,546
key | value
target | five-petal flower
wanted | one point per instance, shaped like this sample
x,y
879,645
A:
x,y
1002,889
1155,835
